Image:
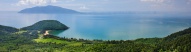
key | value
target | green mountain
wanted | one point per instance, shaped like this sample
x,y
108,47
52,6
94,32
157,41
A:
x,y
46,25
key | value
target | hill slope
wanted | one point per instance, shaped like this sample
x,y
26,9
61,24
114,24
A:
x,y
6,29
46,25
175,35
176,42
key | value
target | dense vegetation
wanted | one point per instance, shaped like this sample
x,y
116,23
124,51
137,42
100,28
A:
x,y
46,25
6,29
34,41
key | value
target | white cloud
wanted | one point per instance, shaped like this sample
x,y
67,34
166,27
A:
x,y
54,1
68,0
35,2
84,7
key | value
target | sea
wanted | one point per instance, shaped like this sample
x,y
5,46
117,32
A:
x,y
106,26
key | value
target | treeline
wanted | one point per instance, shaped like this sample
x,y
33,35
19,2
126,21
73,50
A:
x,y
85,41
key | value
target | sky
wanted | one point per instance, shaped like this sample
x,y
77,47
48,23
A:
x,y
101,5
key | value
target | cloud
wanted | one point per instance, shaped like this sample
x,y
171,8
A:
x,y
69,0
35,2
84,7
53,1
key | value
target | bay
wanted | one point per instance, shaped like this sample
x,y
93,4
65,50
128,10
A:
x,y
126,26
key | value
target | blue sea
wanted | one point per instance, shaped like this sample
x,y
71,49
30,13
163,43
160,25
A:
x,y
111,26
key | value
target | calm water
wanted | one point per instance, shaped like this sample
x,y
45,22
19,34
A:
x,y
105,26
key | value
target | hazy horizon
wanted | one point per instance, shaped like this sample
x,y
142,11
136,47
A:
x,y
102,5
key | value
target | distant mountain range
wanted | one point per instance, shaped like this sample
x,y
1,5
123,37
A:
x,y
47,9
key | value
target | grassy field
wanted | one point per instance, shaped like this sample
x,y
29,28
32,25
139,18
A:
x,y
52,40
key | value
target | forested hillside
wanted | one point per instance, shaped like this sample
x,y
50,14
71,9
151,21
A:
x,y
46,25
6,29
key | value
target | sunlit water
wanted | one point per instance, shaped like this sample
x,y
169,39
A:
x,y
105,26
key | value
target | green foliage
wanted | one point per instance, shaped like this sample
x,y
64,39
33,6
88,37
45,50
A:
x,y
149,40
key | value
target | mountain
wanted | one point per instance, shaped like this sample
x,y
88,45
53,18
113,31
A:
x,y
46,25
47,9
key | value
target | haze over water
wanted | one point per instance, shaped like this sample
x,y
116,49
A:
x,y
106,26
